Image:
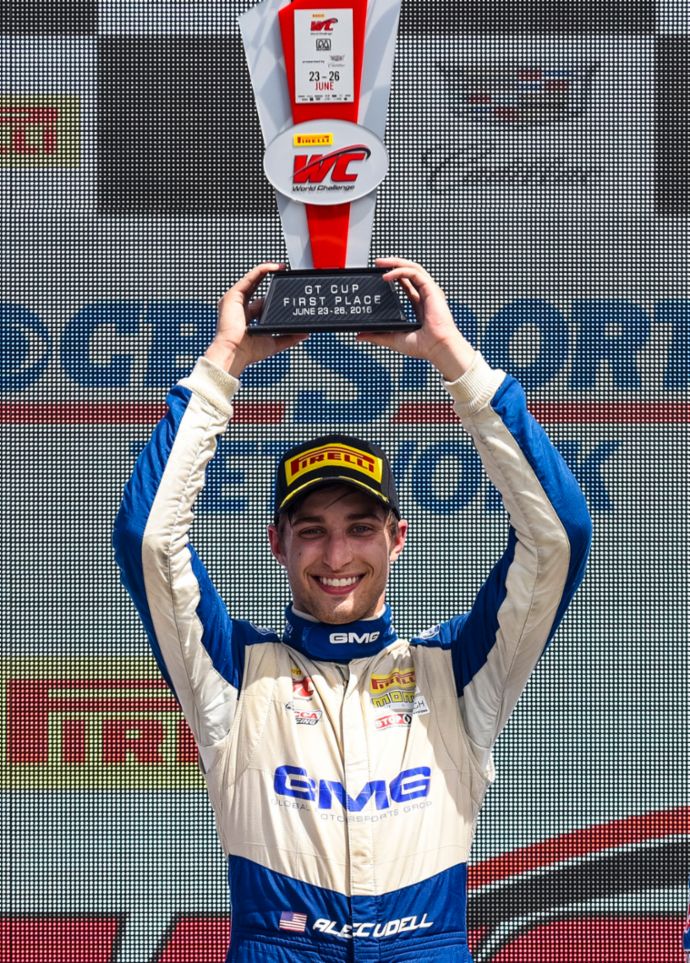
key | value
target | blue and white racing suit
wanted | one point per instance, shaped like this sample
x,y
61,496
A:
x,y
347,766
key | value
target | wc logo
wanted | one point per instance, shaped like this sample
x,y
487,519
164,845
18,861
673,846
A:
x,y
323,26
313,168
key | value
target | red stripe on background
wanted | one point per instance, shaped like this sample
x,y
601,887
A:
x,y
110,704
273,413
121,413
60,939
581,842
195,938
635,939
563,412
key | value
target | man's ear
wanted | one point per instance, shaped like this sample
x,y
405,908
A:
x,y
398,543
275,543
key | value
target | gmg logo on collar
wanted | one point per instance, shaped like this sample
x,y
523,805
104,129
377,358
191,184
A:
x,y
352,638
409,784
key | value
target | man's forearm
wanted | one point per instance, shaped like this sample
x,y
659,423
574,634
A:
x,y
522,602
225,356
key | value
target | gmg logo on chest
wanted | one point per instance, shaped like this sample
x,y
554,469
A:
x,y
408,784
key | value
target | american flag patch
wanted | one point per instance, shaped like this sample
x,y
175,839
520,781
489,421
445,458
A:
x,y
297,922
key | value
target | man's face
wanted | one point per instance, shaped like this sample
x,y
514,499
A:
x,y
337,549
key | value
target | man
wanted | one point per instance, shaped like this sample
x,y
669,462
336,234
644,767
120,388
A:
x,y
346,767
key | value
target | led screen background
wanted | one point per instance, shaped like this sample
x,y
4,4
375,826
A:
x,y
132,195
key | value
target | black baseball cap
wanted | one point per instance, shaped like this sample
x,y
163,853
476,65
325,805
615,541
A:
x,y
334,459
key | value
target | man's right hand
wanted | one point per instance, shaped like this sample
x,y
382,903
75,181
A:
x,y
232,347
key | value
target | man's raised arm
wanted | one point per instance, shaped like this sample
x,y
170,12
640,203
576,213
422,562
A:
x,y
495,647
199,649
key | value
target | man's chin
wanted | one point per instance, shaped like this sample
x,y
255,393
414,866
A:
x,y
340,618
339,612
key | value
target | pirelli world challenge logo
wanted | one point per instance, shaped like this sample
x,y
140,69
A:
x,y
92,724
331,163
39,130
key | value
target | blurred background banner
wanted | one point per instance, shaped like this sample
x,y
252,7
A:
x,y
538,170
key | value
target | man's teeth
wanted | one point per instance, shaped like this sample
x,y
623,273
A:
x,y
339,582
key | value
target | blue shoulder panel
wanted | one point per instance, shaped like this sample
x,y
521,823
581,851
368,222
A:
x,y
223,638
472,636
556,479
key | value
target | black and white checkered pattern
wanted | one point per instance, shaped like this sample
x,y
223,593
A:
x,y
169,124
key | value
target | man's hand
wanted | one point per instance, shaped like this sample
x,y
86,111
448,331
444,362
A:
x,y
232,347
438,340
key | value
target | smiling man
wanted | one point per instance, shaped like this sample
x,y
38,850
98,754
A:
x,y
337,527
347,766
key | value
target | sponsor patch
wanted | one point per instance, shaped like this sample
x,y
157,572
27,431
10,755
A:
x,y
302,686
416,706
429,633
400,678
409,784
353,638
334,455
393,697
304,717
404,702
307,717
394,720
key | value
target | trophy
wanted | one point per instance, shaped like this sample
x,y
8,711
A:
x,y
321,77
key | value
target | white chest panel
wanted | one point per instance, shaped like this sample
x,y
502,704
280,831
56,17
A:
x,y
355,777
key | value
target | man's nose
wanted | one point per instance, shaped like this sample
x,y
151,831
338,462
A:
x,y
337,552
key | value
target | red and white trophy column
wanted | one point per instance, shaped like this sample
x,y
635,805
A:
x,y
321,76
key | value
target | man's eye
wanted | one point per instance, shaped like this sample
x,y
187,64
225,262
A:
x,y
309,532
362,529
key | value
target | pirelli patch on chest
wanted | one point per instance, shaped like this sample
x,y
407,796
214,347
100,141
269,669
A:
x,y
398,679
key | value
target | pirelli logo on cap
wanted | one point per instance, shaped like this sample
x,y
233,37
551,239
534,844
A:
x,y
334,456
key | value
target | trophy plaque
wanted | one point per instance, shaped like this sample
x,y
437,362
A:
x,y
321,77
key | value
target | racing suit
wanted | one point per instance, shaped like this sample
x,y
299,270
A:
x,y
346,766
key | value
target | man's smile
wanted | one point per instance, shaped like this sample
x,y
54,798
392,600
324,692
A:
x,y
337,547
338,586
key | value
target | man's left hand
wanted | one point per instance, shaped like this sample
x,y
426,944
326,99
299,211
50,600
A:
x,y
438,340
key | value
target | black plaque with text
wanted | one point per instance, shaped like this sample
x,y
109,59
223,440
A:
x,y
350,299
